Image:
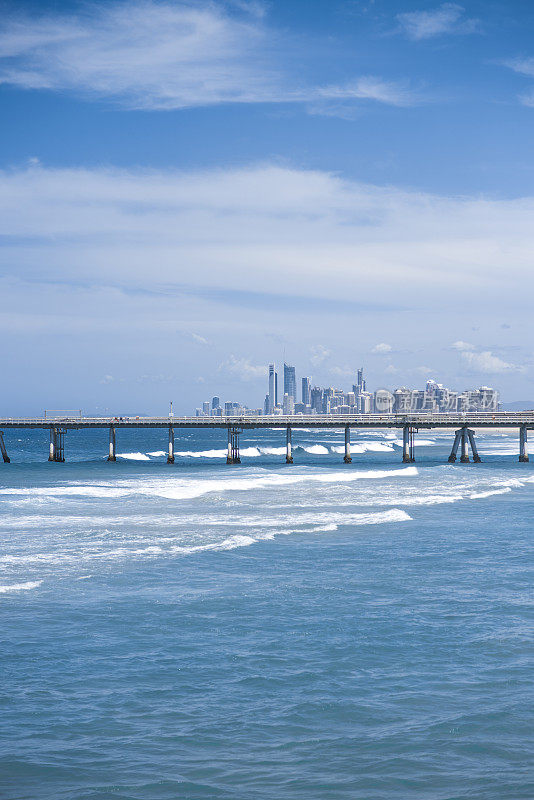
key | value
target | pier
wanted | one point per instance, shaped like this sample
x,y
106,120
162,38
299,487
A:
x,y
463,425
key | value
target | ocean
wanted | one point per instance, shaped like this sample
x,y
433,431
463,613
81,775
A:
x,y
263,631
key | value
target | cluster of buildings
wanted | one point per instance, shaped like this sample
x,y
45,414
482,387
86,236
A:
x,y
434,398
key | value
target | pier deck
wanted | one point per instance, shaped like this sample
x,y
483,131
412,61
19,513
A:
x,y
411,422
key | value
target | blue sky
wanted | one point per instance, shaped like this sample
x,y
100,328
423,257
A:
x,y
190,190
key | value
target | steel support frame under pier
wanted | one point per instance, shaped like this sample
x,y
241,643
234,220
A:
x,y
3,450
408,449
463,438
232,456
56,450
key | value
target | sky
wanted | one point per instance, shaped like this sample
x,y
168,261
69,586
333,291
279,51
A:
x,y
192,190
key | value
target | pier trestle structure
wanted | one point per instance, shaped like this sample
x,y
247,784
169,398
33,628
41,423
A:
x,y
289,453
3,450
56,450
347,458
233,445
463,438
523,446
170,455
408,449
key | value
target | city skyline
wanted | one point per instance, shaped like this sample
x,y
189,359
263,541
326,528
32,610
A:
x,y
434,398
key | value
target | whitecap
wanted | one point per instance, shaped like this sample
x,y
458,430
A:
x,y
19,587
134,456
489,493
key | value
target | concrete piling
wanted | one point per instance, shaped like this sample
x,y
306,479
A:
x,y
170,455
347,458
289,455
112,456
523,444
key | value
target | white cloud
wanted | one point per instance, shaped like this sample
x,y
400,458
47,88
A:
x,y
459,345
199,339
527,99
391,370
343,372
319,354
263,229
447,18
489,363
168,55
243,369
523,66
382,347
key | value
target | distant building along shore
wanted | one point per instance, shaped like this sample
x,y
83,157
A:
x,y
434,399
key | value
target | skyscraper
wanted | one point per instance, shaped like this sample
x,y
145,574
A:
x,y
272,388
306,391
290,381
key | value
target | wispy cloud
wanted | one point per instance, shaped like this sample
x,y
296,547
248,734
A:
x,y
462,346
243,369
319,354
160,55
521,65
448,18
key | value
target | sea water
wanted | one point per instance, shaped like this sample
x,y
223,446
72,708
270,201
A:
x,y
265,631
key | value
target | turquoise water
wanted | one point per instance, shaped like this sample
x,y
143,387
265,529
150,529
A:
x,y
263,631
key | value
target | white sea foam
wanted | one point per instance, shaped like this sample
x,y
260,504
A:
x,y
157,453
316,449
134,456
19,587
489,493
273,451
201,453
186,490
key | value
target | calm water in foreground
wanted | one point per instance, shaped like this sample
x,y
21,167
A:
x,y
265,632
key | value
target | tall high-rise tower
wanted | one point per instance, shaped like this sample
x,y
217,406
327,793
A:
x,y
272,388
306,391
290,381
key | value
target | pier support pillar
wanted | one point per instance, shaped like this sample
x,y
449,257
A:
x,y
233,446
347,458
56,451
52,448
523,446
464,458
112,456
457,437
170,456
463,438
408,450
289,455
3,449
476,457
